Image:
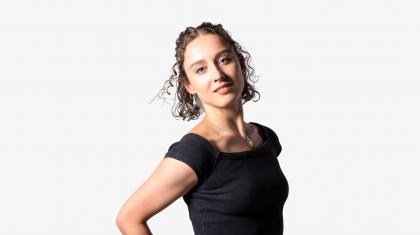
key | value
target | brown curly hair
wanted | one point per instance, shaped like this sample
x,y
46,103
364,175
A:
x,y
189,106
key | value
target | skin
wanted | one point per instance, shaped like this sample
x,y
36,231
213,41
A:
x,y
172,178
224,111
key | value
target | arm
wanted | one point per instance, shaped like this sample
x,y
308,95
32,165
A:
x,y
170,180
137,229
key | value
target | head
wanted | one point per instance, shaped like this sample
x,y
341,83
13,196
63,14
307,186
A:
x,y
200,68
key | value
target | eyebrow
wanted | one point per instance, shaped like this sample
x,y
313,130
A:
x,y
217,54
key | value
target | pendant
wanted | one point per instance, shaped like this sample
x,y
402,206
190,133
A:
x,y
250,143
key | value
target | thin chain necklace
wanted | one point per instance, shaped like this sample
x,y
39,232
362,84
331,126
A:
x,y
248,140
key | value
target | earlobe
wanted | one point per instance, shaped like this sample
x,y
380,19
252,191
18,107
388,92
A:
x,y
187,85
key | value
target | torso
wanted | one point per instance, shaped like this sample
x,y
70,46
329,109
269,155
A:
x,y
242,192
228,143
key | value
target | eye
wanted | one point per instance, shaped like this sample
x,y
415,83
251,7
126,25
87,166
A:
x,y
227,59
199,69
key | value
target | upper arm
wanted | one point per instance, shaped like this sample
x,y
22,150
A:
x,y
169,181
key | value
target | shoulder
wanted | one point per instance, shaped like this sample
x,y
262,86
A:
x,y
195,141
192,143
271,134
195,152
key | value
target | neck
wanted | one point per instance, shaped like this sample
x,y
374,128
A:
x,y
227,119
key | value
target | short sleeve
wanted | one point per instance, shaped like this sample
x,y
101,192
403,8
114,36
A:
x,y
275,141
195,153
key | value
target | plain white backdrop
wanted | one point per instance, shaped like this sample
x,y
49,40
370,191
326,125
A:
x,y
339,84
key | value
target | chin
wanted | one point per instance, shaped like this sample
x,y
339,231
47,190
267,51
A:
x,y
227,103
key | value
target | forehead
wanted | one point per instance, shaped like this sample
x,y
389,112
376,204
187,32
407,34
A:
x,y
205,46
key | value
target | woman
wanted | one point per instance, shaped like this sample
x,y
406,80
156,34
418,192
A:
x,y
225,169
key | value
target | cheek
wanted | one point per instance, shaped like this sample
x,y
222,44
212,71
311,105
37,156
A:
x,y
237,70
240,71
242,79
240,74
203,87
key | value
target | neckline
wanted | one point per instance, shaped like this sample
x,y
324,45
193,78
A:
x,y
257,148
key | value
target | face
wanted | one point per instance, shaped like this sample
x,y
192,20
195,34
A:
x,y
210,63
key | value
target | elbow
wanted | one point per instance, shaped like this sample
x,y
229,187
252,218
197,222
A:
x,y
121,222
124,219
123,226
127,225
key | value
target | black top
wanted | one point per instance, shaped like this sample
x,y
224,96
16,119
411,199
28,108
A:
x,y
239,193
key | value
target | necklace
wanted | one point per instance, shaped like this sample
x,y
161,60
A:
x,y
248,140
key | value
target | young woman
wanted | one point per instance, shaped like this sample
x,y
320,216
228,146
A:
x,y
225,169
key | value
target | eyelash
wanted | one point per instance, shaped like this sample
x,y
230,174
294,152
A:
x,y
203,67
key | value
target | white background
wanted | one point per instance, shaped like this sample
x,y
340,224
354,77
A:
x,y
339,84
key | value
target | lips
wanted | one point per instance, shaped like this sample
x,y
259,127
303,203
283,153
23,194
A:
x,y
223,85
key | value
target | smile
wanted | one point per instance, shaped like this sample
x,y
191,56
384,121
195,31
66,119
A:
x,y
224,89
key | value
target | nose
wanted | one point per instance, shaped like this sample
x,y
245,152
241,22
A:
x,y
218,73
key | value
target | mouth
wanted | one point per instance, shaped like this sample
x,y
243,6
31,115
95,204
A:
x,y
222,86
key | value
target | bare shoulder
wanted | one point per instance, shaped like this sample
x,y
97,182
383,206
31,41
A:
x,y
200,129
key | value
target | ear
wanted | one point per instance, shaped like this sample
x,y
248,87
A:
x,y
188,86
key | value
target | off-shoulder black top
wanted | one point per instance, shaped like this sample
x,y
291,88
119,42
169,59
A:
x,y
238,193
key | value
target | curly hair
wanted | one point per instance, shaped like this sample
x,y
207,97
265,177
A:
x,y
189,106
